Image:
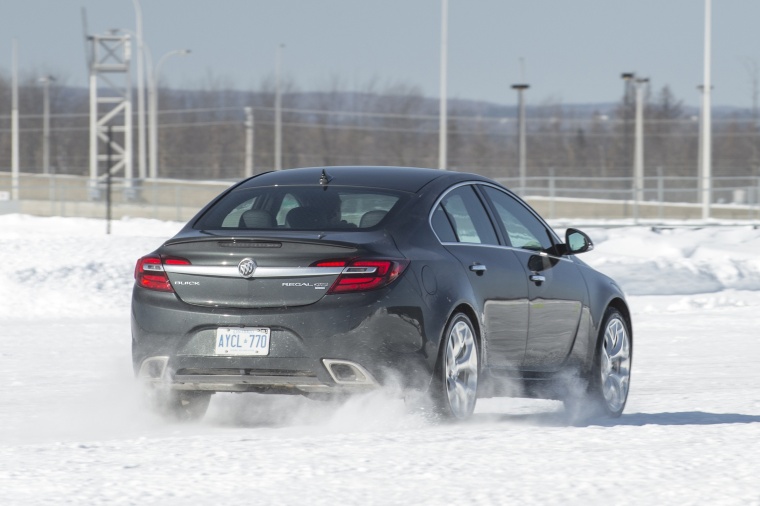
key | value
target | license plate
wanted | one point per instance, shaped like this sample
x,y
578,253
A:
x,y
242,341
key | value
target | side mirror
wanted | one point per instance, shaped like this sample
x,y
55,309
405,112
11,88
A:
x,y
577,242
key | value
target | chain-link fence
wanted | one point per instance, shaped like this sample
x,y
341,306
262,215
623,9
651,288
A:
x,y
555,197
573,153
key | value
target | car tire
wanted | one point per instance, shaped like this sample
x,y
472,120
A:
x,y
179,405
609,379
455,385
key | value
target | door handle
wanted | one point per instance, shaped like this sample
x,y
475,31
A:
x,y
537,279
478,269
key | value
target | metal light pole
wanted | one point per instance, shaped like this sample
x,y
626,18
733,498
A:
x,y
521,125
45,81
628,78
442,115
706,131
14,122
248,141
140,91
153,106
638,152
278,110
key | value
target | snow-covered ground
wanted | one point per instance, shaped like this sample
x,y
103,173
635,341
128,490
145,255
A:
x,y
72,430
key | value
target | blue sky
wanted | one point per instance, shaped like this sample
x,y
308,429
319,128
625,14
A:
x,y
574,51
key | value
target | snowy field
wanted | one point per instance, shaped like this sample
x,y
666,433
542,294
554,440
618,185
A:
x,y
72,430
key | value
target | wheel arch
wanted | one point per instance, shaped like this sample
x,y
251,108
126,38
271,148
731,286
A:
x,y
468,311
441,393
620,305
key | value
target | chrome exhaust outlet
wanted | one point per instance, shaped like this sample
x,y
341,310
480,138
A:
x,y
153,369
344,372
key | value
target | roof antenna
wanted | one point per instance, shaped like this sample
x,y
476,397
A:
x,y
324,178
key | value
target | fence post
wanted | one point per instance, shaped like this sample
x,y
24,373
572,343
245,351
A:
x,y
660,191
109,176
154,198
177,200
635,198
51,191
552,194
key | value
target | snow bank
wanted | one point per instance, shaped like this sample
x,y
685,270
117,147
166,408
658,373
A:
x,y
69,267
678,261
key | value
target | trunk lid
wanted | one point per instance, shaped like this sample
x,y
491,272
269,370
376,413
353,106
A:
x,y
255,272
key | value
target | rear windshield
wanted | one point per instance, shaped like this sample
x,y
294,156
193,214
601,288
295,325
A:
x,y
300,208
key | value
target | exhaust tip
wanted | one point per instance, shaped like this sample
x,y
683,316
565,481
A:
x,y
344,372
153,368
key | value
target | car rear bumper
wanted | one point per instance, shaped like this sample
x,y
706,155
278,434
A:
x,y
344,344
345,377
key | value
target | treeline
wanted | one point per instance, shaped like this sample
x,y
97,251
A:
x,y
202,133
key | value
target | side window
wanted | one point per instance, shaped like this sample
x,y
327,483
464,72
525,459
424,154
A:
x,y
442,226
524,230
467,217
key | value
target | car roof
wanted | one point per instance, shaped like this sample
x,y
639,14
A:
x,y
409,179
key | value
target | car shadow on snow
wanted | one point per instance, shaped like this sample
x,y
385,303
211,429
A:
x,y
560,418
677,418
380,411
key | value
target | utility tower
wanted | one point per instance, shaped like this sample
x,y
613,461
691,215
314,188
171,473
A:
x,y
110,105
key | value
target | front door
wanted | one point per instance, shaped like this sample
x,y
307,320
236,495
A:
x,y
556,289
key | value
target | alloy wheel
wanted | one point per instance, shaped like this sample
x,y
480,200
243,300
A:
x,y
461,369
615,366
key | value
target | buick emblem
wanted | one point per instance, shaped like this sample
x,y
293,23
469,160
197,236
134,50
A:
x,y
247,267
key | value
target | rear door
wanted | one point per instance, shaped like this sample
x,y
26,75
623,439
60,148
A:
x,y
465,230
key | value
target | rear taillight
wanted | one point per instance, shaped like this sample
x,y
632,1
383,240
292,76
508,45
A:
x,y
360,275
150,274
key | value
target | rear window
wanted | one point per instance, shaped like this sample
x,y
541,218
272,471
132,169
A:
x,y
300,208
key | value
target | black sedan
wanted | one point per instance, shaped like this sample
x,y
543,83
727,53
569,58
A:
x,y
337,280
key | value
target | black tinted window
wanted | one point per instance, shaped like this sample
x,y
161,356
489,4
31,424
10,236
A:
x,y
300,208
523,228
465,213
442,226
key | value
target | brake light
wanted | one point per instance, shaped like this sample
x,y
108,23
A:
x,y
361,275
150,274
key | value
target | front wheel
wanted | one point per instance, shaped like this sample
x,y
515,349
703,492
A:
x,y
455,388
611,373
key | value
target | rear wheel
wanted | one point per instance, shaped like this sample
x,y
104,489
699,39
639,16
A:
x,y
179,405
455,387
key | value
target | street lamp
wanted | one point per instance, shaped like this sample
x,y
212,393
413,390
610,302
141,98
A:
x,y
706,126
153,107
627,78
248,141
638,153
14,121
278,108
140,90
443,100
638,148
521,125
45,81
